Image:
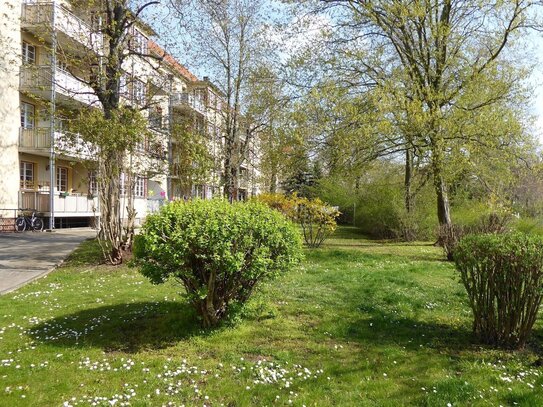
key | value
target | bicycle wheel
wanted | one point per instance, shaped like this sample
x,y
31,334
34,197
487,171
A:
x,y
37,224
20,224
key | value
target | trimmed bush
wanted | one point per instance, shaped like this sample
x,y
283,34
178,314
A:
x,y
503,275
450,235
219,251
316,219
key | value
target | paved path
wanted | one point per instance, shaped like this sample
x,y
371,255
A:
x,y
30,255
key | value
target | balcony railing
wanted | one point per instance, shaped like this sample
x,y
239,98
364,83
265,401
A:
x,y
77,204
37,138
39,78
184,99
40,14
67,144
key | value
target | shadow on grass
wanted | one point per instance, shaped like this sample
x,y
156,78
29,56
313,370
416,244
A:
x,y
377,327
122,327
411,334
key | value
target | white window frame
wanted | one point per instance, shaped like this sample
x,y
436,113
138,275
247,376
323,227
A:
x,y
123,85
122,184
61,178
93,183
139,42
139,91
26,178
139,186
29,53
28,115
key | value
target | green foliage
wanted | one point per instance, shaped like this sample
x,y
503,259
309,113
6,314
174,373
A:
x,y
317,219
121,130
339,192
193,160
380,207
219,251
450,235
503,276
532,226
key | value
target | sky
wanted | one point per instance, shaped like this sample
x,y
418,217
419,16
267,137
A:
x,y
163,18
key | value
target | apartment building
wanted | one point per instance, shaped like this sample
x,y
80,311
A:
x,y
39,89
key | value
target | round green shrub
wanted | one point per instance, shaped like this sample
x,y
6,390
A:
x,y
503,275
219,251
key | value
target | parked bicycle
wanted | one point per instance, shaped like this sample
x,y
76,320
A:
x,y
26,222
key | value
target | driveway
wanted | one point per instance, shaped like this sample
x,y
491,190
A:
x,y
30,255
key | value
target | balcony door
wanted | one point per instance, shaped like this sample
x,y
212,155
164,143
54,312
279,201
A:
x,y
62,179
26,172
28,115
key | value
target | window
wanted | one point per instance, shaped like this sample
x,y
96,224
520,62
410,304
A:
x,y
26,171
62,179
29,54
123,85
93,183
139,187
139,92
27,115
155,118
122,184
139,43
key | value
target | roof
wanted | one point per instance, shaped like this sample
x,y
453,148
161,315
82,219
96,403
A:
x,y
172,62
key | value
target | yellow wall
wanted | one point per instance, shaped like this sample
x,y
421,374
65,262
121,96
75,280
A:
x,y
77,172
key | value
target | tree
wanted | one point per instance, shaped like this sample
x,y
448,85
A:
x,y
439,61
104,67
122,131
225,38
268,104
193,161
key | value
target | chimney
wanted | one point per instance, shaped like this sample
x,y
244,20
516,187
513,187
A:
x,y
206,78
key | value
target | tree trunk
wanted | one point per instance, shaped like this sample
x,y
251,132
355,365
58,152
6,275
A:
x,y
408,179
443,206
129,230
110,206
273,182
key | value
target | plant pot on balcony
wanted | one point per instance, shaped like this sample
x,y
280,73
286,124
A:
x,y
64,194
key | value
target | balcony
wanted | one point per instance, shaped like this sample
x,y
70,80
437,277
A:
x,y
37,17
184,100
70,206
38,140
38,80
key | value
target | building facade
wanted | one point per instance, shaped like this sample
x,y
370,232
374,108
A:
x,y
40,89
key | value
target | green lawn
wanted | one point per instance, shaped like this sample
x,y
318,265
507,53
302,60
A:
x,y
359,323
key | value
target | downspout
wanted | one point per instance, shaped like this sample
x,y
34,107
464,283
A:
x,y
52,167
170,149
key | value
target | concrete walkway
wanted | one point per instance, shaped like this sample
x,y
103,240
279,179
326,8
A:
x,y
29,255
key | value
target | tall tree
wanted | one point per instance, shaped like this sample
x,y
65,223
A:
x,y
225,38
105,68
444,57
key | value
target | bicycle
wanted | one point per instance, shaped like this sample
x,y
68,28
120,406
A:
x,y
25,222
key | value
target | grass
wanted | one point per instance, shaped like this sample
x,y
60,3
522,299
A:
x,y
360,323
